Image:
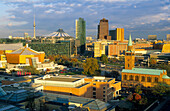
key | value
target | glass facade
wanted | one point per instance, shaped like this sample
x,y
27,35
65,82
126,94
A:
x,y
81,32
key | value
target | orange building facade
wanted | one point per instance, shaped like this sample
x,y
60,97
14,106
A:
x,y
97,87
19,56
131,77
118,48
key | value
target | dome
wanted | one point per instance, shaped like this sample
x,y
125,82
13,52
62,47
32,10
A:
x,y
58,33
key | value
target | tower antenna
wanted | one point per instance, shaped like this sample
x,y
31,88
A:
x,y
34,26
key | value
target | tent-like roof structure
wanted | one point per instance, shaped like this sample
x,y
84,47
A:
x,y
58,33
26,51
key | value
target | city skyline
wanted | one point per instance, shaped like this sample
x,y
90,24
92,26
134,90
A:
x,y
140,18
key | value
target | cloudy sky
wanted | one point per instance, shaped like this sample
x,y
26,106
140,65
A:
x,y
138,17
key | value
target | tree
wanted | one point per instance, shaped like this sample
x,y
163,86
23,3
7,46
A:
x,y
138,89
160,89
31,69
90,66
104,59
153,61
143,101
113,73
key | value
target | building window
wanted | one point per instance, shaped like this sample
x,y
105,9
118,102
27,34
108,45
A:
x,y
104,88
107,85
136,78
94,83
125,77
103,95
143,79
103,91
94,88
103,99
131,77
156,79
128,65
148,79
94,93
94,96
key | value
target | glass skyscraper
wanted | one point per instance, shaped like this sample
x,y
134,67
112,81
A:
x,y
81,33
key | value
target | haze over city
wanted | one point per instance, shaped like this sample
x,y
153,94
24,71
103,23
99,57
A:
x,y
140,17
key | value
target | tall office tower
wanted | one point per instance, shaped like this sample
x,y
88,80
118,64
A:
x,y
152,37
81,33
117,34
168,37
25,35
103,29
34,27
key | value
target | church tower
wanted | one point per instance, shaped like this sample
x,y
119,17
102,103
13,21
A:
x,y
129,55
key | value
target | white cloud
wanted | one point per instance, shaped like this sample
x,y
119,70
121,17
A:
x,y
27,11
60,12
42,5
13,17
116,0
49,11
166,7
164,29
79,5
17,23
152,18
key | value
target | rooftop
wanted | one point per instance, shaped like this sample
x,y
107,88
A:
x,y
61,79
144,71
8,107
86,102
11,46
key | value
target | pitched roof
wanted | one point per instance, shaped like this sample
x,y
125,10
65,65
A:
x,y
11,46
86,102
144,71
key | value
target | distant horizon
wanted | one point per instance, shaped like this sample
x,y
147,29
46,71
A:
x,y
139,17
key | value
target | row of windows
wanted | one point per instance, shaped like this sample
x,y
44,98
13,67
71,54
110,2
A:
x,y
143,78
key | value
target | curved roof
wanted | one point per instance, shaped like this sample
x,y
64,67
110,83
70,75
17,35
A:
x,y
58,33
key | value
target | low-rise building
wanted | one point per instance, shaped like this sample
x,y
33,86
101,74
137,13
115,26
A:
x,y
83,87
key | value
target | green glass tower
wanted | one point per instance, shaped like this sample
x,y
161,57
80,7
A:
x,y
81,33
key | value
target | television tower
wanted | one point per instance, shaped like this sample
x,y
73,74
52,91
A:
x,y
34,27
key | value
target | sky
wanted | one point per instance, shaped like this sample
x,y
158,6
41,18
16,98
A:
x,y
138,17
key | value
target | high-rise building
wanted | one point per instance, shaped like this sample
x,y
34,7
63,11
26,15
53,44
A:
x,y
168,37
117,34
81,33
103,29
25,35
152,37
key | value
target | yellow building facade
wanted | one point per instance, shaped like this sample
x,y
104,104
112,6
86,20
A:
x,y
19,56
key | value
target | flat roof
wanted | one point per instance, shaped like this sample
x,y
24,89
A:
x,y
61,79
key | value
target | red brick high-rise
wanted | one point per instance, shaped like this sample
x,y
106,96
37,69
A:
x,y
103,29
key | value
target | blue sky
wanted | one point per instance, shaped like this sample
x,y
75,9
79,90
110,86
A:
x,y
138,17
